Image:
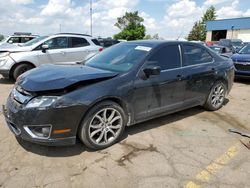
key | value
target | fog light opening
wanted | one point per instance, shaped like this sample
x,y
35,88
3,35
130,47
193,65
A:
x,y
39,131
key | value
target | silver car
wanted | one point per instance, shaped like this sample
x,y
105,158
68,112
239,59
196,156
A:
x,y
18,38
63,48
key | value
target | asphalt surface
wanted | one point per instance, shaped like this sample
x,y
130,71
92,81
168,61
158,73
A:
x,y
192,148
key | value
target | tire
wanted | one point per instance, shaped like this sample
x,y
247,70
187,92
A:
x,y
99,131
20,69
216,96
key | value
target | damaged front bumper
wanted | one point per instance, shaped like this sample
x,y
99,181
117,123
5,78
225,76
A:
x,y
28,124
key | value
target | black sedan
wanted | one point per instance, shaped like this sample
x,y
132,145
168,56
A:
x,y
125,84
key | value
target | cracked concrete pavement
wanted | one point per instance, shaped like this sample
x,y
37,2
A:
x,y
192,148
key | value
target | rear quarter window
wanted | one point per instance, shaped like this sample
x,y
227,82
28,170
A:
x,y
194,55
96,42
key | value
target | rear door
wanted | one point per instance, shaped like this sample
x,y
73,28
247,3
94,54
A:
x,y
199,72
79,48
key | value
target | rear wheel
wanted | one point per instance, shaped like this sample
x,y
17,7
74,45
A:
x,y
103,125
216,96
20,69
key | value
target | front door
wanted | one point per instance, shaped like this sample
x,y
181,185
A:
x,y
160,94
57,52
167,92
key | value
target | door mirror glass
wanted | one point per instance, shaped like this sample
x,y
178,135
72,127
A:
x,y
44,48
152,70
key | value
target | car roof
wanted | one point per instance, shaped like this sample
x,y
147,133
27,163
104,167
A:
x,y
154,43
72,34
23,36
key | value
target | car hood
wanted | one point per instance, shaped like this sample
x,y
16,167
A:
x,y
241,57
6,47
58,77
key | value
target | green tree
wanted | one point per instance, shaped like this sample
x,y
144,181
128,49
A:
x,y
155,37
1,37
198,31
131,27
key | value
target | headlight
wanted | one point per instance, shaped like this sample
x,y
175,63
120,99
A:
x,y
42,102
3,54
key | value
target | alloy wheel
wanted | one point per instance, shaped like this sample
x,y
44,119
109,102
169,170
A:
x,y
218,95
105,126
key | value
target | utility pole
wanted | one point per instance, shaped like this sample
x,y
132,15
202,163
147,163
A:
x,y
60,28
90,3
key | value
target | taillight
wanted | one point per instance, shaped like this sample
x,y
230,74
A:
x,y
100,49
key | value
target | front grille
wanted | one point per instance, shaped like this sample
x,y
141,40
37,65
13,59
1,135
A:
x,y
242,67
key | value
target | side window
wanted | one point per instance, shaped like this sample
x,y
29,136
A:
x,y
168,57
14,40
194,55
78,42
96,42
57,43
26,39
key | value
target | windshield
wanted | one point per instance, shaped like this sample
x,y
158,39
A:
x,y
238,44
119,58
34,41
245,50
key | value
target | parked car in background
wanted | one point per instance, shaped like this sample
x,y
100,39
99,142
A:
x,y
242,62
126,84
234,44
107,42
222,50
18,38
211,43
62,48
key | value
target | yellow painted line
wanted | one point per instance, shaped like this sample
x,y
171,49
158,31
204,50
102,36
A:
x,y
215,166
192,185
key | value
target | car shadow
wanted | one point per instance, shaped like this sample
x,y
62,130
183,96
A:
x,y
164,120
54,151
242,80
78,148
6,81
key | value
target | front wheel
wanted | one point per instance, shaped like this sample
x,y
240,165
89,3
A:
x,y
20,69
216,96
103,125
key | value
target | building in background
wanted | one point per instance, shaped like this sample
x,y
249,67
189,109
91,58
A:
x,y
235,28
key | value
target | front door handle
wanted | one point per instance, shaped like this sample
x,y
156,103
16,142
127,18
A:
x,y
63,53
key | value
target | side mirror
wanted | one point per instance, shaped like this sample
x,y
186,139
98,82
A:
x,y
44,48
10,42
151,70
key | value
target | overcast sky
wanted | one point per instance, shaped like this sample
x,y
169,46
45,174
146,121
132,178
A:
x,y
169,18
